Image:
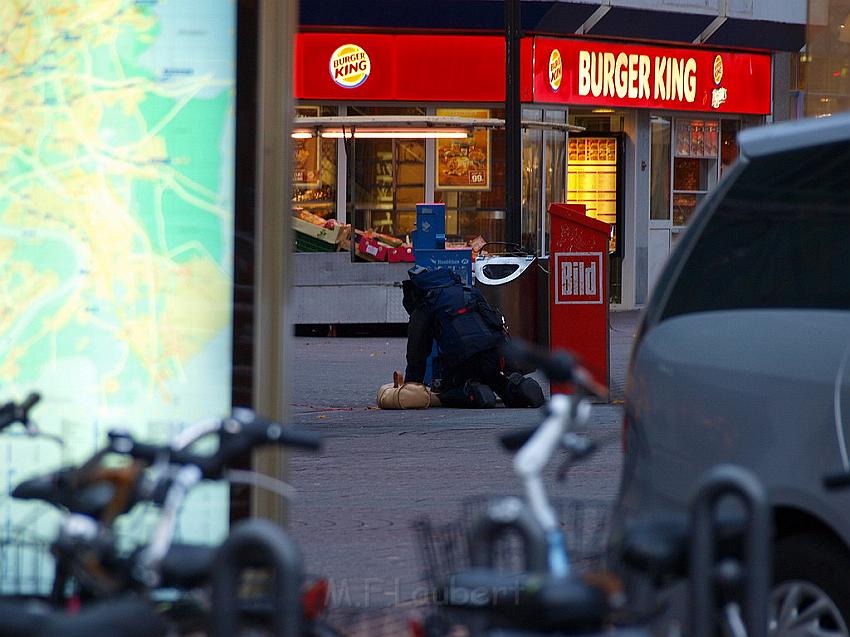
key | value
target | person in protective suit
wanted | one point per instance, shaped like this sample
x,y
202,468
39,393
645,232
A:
x,y
469,335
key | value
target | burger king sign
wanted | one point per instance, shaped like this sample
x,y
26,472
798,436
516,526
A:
x,y
556,69
349,66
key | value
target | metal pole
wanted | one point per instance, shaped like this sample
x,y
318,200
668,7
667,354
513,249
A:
x,y
736,482
273,238
255,543
513,127
350,203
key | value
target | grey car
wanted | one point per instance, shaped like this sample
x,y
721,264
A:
x,y
743,356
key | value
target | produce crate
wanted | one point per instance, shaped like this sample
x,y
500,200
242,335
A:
x,y
328,235
306,243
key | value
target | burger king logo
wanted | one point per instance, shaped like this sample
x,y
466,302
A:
x,y
719,94
718,69
555,69
349,66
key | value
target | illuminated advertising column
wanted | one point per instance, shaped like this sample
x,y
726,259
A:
x,y
116,227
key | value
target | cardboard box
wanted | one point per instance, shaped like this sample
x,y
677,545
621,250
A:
x,y
317,232
371,250
401,255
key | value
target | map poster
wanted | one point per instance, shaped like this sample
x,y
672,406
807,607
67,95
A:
x,y
306,171
117,150
464,164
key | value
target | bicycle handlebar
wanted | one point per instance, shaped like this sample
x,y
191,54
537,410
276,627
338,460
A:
x,y
12,412
238,434
577,445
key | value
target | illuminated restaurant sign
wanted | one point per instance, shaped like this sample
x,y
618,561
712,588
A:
x,y
349,66
624,75
471,68
409,67
556,70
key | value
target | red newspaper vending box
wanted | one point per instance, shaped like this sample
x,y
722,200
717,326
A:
x,y
578,293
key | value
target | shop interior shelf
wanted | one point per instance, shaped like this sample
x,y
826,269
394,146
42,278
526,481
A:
x,y
313,204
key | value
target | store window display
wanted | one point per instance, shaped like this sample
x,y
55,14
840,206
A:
x,y
314,187
694,165
470,180
697,152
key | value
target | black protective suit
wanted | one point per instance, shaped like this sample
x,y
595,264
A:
x,y
469,334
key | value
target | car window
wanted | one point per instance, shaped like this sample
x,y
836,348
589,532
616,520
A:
x,y
779,238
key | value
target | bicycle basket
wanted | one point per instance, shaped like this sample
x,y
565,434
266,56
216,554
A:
x,y
26,566
444,548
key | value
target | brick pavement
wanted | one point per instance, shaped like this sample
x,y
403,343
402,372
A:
x,y
380,470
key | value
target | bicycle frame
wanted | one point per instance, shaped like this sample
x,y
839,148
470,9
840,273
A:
x,y
531,460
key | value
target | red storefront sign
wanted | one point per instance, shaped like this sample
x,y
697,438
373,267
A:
x,y
419,68
638,76
465,68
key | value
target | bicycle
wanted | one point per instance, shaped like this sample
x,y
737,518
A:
x,y
549,597
484,598
127,617
94,496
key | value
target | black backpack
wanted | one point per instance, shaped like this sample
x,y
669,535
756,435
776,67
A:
x,y
465,324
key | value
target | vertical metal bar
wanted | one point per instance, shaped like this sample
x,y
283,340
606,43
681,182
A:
x,y
430,163
249,541
351,188
513,120
273,239
342,173
729,480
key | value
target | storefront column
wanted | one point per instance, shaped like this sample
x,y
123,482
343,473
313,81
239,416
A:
x,y
274,272
342,172
636,220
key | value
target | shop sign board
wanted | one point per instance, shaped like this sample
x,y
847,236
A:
x,y
409,67
464,164
621,74
578,278
349,66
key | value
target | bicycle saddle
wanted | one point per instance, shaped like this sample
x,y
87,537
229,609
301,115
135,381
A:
x,y
117,618
534,602
187,565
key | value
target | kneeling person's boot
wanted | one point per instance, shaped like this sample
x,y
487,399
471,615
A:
x,y
521,391
472,395
479,395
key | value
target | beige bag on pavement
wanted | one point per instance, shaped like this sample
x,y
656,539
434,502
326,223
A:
x,y
401,395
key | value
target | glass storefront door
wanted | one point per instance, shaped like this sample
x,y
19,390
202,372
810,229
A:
x,y
595,168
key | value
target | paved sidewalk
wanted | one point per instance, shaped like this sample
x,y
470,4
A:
x,y
380,470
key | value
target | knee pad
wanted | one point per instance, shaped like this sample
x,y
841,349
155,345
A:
x,y
521,391
479,395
